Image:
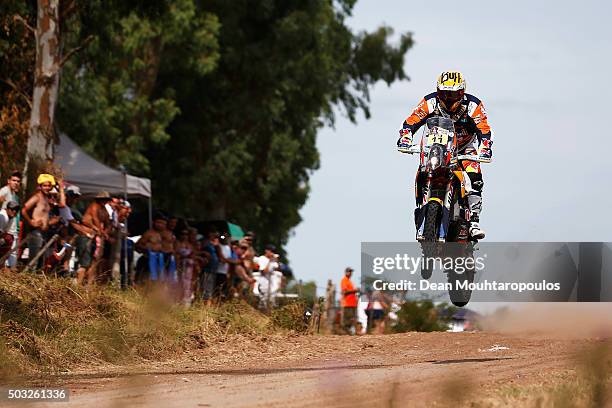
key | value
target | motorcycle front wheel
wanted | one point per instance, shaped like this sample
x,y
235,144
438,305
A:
x,y
433,213
431,228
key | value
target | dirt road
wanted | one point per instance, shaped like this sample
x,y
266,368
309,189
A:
x,y
412,369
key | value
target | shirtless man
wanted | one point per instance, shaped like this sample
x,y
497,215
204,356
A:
x,y
248,252
150,245
240,271
36,213
98,220
96,217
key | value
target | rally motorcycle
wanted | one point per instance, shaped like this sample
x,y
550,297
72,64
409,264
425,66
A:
x,y
442,212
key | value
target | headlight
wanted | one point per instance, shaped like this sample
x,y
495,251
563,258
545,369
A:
x,y
435,157
434,162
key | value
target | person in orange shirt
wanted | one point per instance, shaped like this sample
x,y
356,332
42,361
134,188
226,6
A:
x,y
349,301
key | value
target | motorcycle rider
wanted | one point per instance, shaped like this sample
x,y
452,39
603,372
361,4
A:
x,y
470,119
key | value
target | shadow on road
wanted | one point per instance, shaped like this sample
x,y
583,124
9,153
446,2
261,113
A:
x,y
469,360
237,372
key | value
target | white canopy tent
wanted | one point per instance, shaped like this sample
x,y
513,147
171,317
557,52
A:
x,y
91,176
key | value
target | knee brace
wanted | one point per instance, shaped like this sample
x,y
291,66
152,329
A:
x,y
474,183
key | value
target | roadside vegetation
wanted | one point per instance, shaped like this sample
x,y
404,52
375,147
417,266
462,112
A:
x,y
49,325
423,316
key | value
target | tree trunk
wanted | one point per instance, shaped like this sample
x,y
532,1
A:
x,y
46,87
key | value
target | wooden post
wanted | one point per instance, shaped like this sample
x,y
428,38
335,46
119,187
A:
x,y
32,261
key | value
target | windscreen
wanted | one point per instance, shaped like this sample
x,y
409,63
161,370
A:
x,y
438,130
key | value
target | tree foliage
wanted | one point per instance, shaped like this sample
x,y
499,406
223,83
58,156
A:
x,y
423,316
244,145
16,79
307,291
111,101
220,102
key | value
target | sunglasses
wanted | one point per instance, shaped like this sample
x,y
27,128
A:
x,y
450,95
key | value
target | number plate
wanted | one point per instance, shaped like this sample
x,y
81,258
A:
x,y
439,138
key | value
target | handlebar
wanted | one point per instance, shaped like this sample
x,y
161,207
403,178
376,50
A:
x,y
473,157
413,149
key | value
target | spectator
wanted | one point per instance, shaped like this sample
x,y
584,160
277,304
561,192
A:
x,y
249,238
8,216
201,257
68,196
38,220
168,242
209,272
150,266
185,254
270,280
233,281
376,316
248,253
224,253
369,311
109,265
172,225
239,272
9,193
84,234
329,306
127,245
349,302
67,228
96,218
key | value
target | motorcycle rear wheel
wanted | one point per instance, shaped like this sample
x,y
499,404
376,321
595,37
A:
x,y
460,295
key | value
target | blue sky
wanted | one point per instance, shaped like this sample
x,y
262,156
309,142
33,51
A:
x,y
541,69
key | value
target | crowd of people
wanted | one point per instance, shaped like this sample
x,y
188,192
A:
x,y
49,233
210,266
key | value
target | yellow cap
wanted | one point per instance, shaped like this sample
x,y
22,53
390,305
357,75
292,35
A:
x,y
44,178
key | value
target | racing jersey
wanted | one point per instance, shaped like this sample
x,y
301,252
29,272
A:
x,y
470,120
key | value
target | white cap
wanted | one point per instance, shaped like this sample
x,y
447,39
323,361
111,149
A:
x,y
75,190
